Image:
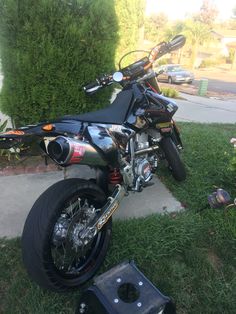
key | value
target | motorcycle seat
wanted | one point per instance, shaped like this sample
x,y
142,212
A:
x,y
115,113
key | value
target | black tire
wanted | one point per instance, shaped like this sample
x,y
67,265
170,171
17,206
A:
x,y
39,236
170,81
173,158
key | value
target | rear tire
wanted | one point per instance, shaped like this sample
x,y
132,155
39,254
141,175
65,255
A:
x,y
39,240
173,158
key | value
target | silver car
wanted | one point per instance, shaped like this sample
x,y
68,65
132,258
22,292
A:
x,y
174,73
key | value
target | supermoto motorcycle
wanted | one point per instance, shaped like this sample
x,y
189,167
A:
x,y
67,232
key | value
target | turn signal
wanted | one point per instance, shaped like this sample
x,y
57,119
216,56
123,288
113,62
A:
x,y
14,132
48,127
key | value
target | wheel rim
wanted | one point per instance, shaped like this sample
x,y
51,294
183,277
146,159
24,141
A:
x,y
170,80
70,257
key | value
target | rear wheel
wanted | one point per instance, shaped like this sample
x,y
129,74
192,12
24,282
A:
x,y
55,255
173,158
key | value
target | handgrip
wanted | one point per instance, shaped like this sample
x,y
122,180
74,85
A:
x,y
176,43
92,87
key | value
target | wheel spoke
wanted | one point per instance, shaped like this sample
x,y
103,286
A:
x,y
71,208
69,255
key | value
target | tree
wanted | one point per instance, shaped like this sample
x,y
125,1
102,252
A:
x,y
130,16
155,25
208,13
197,33
173,30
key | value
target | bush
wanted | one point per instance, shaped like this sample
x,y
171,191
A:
x,y
163,61
211,62
7,153
170,92
49,50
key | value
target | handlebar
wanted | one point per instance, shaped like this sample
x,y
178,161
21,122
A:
x,y
92,87
139,68
100,82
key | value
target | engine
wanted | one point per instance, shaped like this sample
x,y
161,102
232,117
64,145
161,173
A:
x,y
145,151
143,170
144,160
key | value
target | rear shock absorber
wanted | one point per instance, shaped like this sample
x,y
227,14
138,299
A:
x,y
115,176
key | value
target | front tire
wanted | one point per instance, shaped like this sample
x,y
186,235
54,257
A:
x,y
52,229
170,81
173,158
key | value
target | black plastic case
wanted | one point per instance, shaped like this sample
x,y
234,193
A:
x,y
124,290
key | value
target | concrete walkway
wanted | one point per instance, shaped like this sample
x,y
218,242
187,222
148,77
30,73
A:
x,y
18,194
205,110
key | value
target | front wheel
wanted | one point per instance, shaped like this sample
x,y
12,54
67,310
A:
x,y
54,254
170,80
173,158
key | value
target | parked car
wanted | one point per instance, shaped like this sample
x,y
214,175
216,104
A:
x,y
174,73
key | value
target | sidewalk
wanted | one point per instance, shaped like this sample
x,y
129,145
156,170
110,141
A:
x,y
205,110
18,194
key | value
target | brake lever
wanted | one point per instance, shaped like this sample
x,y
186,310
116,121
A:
x,y
106,79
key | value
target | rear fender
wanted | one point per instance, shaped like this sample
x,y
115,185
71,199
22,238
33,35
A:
x,y
37,132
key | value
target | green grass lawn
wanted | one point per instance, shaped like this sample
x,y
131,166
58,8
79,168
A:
x,y
190,256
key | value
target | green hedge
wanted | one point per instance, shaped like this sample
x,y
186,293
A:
x,y
49,50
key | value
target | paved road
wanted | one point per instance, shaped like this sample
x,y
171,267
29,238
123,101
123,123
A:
x,y
216,85
219,80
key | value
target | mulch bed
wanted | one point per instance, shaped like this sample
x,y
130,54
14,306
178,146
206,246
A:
x,y
193,90
35,164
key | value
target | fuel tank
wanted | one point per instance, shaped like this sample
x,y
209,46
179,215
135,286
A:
x,y
159,108
155,109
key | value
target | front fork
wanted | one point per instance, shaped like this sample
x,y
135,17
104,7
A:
x,y
170,129
153,84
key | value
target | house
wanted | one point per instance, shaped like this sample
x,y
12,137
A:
x,y
224,39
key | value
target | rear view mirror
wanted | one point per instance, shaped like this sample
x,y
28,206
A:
x,y
117,77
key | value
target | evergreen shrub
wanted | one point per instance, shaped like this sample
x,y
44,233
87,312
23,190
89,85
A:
x,y
49,50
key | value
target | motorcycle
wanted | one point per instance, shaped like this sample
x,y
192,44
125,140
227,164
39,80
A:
x,y
67,232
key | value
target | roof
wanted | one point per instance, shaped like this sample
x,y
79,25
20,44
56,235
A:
x,y
227,33
232,45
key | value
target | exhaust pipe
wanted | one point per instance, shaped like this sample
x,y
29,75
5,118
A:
x,y
67,151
